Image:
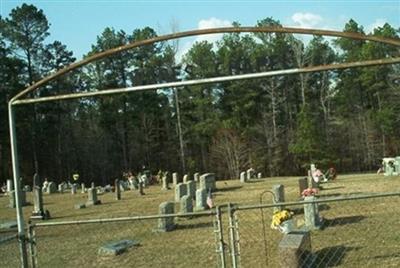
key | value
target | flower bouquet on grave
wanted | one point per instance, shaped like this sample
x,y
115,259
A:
x,y
282,221
309,192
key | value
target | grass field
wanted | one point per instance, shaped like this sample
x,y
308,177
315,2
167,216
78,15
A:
x,y
355,233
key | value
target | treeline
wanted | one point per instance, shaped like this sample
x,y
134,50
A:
x,y
348,118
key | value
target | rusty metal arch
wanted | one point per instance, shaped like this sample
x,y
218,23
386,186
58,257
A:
x,y
289,30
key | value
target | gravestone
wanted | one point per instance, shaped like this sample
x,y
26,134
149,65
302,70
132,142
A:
x,y
10,186
311,214
185,178
303,184
12,201
259,175
92,197
243,177
295,250
93,185
191,189
61,188
186,204
196,176
51,188
38,210
141,186
83,188
116,248
165,185
166,224
279,196
117,189
207,181
73,188
180,191
250,173
175,179
201,200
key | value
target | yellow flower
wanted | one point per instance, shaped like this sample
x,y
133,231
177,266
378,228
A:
x,y
279,217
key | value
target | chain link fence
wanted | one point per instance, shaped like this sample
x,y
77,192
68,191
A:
x,y
348,232
9,249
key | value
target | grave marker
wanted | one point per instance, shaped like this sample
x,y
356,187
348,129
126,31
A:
x,y
311,214
243,177
191,189
279,196
207,181
175,179
196,176
180,191
92,197
201,199
166,224
295,250
117,189
186,204
303,184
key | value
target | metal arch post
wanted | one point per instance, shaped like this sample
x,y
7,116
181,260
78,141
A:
x,y
17,186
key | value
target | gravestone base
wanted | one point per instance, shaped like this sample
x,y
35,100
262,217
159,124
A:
x,y
116,248
40,215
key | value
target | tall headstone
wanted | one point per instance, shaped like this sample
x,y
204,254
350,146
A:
x,y
175,179
11,196
311,214
196,177
243,177
186,204
83,188
166,224
191,189
185,178
303,184
117,189
10,186
73,188
207,181
279,196
259,175
93,185
180,191
201,199
38,210
164,180
92,197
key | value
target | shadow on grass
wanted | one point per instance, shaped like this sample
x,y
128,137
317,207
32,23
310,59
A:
x,y
300,210
342,220
331,256
340,194
231,188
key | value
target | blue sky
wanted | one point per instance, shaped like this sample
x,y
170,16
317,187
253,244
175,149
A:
x,y
77,23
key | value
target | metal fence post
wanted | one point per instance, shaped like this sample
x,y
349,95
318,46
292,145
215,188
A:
x,y
32,245
232,234
17,186
219,237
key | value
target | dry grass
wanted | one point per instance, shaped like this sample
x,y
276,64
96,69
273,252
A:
x,y
356,233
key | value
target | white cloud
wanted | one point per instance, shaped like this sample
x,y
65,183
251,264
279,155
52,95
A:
x,y
211,38
377,23
306,20
211,23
